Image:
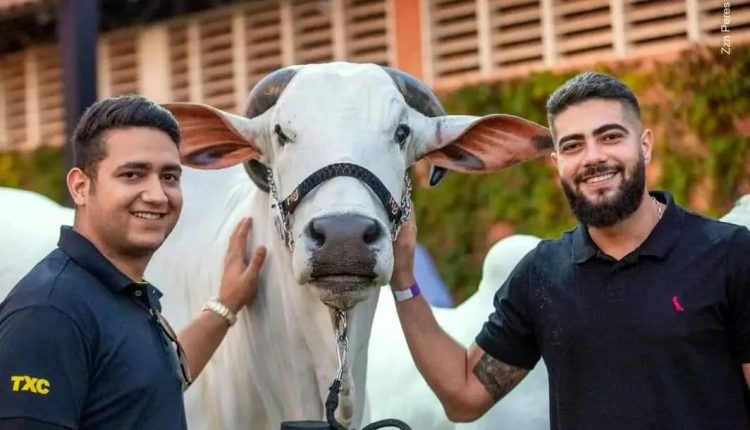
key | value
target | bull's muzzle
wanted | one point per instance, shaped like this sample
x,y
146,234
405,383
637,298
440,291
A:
x,y
344,255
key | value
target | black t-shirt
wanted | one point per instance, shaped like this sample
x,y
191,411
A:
x,y
79,349
653,341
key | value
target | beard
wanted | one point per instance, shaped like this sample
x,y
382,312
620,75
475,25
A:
x,y
607,213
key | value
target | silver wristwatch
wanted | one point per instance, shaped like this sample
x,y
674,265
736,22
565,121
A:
x,y
216,306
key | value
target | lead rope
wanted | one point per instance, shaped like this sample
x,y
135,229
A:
x,y
332,402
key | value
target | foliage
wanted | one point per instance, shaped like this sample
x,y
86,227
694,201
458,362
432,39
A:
x,y
698,107
41,171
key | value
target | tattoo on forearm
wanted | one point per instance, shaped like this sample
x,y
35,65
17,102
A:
x,y
497,377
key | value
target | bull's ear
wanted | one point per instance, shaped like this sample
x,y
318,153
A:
x,y
484,144
213,139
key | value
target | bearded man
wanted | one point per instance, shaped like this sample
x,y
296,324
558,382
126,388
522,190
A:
x,y
641,313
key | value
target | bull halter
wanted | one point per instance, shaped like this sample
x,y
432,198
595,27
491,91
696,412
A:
x,y
397,214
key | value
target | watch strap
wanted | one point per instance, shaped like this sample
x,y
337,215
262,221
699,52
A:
x,y
216,306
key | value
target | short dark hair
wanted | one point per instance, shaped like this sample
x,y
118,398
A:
x,y
116,113
587,86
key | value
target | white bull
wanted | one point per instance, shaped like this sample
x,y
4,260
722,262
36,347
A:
x,y
277,362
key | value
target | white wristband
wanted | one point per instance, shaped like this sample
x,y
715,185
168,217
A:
x,y
402,295
216,306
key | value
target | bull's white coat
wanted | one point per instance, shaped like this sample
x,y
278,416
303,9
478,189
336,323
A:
x,y
279,360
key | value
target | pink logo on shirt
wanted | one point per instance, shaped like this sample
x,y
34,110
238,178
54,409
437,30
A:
x,y
677,306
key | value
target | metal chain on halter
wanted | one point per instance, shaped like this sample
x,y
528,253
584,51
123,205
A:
x,y
280,218
405,208
332,401
342,340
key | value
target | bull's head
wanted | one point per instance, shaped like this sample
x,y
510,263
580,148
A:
x,y
332,143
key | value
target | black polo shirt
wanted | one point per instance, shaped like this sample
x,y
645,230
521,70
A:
x,y
79,350
653,341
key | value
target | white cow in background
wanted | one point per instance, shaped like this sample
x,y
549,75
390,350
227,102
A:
x,y
740,213
337,139
29,229
404,393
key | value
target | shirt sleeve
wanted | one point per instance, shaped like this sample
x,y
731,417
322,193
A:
x,y
738,293
508,335
43,367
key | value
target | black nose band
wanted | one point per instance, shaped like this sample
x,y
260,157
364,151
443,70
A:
x,y
343,169
397,213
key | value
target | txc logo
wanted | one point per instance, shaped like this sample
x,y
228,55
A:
x,y
31,384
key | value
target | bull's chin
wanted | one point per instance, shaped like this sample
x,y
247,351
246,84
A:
x,y
343,291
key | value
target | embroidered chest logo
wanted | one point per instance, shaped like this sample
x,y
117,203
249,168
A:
x,y
30,384
676,304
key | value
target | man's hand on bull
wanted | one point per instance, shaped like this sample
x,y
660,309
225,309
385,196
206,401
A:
x,y
204,334
240,278
403,255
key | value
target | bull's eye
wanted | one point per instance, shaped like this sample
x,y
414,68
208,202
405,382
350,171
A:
x,y
283,139
402,133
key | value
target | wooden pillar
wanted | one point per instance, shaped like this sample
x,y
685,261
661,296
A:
x,y
693,12
195,75
287,33
104,69
484,36
549,38
239,60
152,50
619,40
4,140
406,24
33,113
338,27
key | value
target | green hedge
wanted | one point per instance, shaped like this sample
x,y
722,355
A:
x,y
40,171
694,106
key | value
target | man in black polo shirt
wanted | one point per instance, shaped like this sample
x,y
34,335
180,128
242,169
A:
x,y
641,313
83,344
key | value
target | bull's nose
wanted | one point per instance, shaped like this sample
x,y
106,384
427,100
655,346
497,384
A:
x,y
345,231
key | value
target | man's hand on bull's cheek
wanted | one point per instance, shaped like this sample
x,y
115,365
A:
x,y
403,255
239,281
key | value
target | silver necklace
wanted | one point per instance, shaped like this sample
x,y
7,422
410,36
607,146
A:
x,y
658,207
